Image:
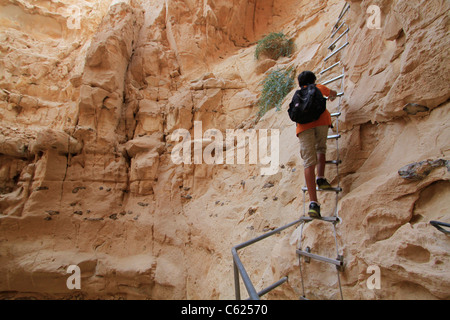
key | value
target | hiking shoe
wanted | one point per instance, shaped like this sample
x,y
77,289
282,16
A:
x,y
322,184
314,210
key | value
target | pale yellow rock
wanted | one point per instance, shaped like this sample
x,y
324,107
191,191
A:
x,y
87,176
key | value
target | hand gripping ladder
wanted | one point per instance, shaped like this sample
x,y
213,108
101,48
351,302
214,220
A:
x,y
339,40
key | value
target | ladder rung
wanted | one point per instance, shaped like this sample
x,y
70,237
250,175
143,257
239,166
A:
x,y
333,53
335,136
334,79
335,31
340,94
343,12
330,67
336,114
337,262
336,162
339,189
338,38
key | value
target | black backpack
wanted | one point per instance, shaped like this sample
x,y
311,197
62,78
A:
x,y
307,105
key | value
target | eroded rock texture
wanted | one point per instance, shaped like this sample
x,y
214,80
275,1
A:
x,y
87,178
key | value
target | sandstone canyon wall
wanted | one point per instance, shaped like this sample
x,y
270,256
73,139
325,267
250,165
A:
x,y
87,177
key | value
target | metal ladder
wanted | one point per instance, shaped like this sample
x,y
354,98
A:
x,y
334,219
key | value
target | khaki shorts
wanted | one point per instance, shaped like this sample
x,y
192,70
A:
x,y
312,142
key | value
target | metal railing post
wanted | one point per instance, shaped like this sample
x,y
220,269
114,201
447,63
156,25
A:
x,y
237,287
239,269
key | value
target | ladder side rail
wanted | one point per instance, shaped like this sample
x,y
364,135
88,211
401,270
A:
x,y
339,262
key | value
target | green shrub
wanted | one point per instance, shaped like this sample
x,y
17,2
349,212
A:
x,y
276,86
275,45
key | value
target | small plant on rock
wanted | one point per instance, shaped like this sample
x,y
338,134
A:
x,y
274,46
276,86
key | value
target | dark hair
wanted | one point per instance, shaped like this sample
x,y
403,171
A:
x,y
305,78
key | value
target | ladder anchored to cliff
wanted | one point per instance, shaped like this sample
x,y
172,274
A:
x,y
240,271
307,253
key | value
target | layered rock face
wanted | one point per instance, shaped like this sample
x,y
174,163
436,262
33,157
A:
x,y
93,94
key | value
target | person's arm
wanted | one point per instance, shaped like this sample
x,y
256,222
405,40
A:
x,y
332,95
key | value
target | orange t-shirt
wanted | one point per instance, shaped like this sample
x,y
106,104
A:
x,y
325,117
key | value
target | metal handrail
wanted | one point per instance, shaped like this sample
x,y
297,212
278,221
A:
x,y
438,225
239,268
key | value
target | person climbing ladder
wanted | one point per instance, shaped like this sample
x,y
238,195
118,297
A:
x,y
308,110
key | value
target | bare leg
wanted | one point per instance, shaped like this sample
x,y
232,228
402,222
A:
x,y
321,165
310,177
